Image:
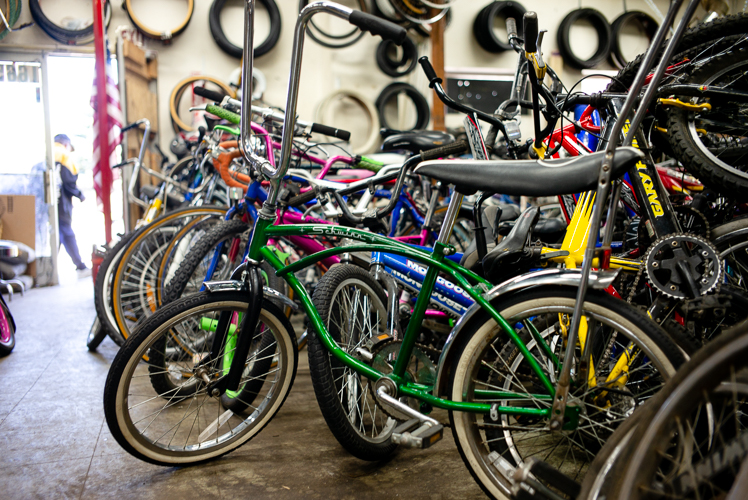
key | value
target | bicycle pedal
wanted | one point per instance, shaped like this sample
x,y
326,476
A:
x,y
414,434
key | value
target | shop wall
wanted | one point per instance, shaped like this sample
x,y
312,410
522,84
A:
x,y
324,70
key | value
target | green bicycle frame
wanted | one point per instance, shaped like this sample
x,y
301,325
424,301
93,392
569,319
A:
x,y
264,229
473,284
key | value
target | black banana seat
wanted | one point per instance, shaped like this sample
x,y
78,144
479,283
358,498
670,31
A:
x,y
151,192
528,177
416,141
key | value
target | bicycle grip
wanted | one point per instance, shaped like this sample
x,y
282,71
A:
x,y
530,23
442,151
378,26
331,131
302,198
429,70
208,94
511,27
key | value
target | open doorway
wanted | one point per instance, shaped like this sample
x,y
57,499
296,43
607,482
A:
x,y
25,159
71,80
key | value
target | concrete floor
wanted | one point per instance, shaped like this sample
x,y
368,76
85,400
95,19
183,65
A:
x,y
54,442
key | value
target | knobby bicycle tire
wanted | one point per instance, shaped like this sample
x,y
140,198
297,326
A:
x,y
694,41
327,373
717,156
223,232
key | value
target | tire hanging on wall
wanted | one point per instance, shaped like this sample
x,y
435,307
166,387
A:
x,y
234,50
12,12
396,68
604,38
332,41
484,23
633,16
164,36
178,92
324,115
63,35
393,90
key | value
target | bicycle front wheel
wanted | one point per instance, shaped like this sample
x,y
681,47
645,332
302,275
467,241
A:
x,y
156,401
695,444
712,143
630,359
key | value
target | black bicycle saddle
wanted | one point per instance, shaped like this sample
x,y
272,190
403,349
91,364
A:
x,y
529,177
416,141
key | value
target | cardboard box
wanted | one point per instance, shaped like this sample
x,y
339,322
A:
x,y
18,216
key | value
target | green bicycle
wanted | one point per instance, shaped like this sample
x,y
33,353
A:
x,y
497,375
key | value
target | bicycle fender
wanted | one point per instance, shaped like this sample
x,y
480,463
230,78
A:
x,y
238,286
557,277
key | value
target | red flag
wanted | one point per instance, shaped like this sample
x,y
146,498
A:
x,y
114,112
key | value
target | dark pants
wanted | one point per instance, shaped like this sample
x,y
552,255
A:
x,y
67,238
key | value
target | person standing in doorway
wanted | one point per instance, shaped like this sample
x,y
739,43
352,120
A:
x,y
68,189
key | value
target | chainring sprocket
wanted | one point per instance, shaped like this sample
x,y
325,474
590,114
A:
x,y
421,370
675,259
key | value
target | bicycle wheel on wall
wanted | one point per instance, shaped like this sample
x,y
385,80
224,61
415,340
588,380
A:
x,y
155,398
619,336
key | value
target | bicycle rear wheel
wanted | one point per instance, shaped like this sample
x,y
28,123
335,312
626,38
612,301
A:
x,y
487,361
155,398
352,306
137,282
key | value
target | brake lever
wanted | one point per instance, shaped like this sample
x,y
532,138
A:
x,y
536,58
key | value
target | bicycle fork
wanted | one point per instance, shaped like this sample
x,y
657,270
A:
x,y
251,276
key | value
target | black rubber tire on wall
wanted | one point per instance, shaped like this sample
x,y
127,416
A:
x,y
62,35
234,50
643,19
422,106
392,67
484,23
604,35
